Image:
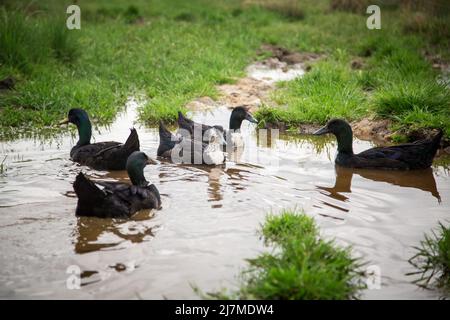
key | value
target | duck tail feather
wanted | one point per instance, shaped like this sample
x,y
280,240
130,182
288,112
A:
x,y
86,190
166,139
437,138
164,134
181,118
132,143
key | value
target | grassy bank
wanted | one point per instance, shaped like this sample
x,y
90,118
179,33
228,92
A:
x,y
432,260
383,73
300,266
174,51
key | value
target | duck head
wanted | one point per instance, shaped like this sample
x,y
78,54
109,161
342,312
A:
x,y
136,163
343,132
80,118
238,115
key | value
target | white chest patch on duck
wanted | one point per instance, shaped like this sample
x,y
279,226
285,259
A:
x,y
213,154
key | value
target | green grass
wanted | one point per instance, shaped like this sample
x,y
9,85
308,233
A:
x,y
329,90
396,81
26,41
300,266
175,51
432,260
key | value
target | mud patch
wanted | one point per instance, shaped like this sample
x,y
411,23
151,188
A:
x,y
357,64
378,131
273,70
290,57
7,83
202,103
254,90
247,91
373,129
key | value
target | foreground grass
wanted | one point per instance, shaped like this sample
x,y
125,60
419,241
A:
x,y
175,51
432,260
301,265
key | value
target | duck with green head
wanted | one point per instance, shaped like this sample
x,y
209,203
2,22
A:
x,y
117,199
408,156
108,155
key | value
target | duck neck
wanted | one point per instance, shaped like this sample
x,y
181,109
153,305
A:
x,y
345,140
84,132
235,123
136,175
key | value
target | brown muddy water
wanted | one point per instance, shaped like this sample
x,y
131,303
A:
x,y
208,223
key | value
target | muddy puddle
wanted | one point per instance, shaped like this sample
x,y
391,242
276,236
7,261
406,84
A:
x,y
208,223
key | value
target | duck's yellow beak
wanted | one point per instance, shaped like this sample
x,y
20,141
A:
x,y
65,121
151,161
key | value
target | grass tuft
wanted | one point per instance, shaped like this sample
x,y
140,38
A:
x,y
432,259
405,97
302,265
329,90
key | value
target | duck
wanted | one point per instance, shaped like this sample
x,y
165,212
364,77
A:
x,y
408,156
110,155
117,199
181,149
232,136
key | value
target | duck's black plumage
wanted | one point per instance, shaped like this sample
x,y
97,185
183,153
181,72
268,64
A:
x,y
167,141
238,115
116,199
108,155
408,156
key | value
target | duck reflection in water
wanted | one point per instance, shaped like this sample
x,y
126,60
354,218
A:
x,y
419,179
219,178
94,234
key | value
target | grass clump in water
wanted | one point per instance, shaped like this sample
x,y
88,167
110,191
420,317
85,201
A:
x,y
432,260
301,266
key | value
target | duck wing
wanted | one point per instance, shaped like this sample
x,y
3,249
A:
x,y
81,153
109,155
95,202
416,155
146,198
136,197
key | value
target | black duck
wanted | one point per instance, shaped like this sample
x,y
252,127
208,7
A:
x,y
117,199
108,155
408,156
